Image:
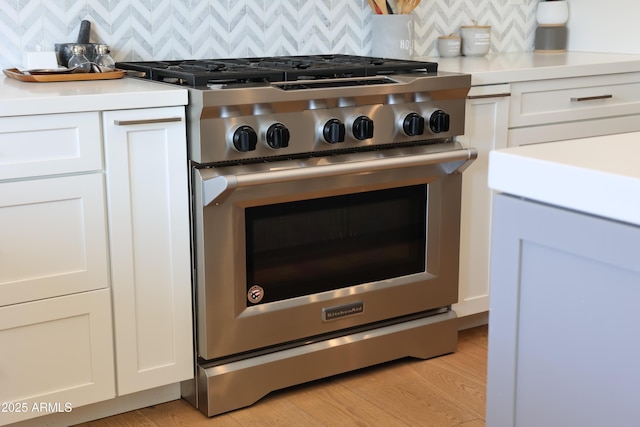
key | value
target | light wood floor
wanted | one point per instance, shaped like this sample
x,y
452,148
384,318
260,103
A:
x,y
445,391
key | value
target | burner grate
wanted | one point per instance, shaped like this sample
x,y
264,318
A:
x,y
198,73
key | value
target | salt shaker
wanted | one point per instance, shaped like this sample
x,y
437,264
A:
x,y
78,60
104,61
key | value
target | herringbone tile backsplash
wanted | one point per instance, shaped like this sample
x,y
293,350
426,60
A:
x,y
180,29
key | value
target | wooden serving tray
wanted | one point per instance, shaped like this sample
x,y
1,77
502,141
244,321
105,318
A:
x,y
14,73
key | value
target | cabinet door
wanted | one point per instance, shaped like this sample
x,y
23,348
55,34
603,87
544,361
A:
x,y
53,237
563,340
148,205
55,355
486,126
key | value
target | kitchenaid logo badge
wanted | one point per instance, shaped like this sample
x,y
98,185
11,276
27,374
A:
x,y
340,311
255,294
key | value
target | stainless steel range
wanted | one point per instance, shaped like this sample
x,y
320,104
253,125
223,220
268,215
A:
x,y
326,213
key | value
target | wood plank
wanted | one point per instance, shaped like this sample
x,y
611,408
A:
x,y
332,403
128,419
470,358
453,384
403,393
478,336
180,413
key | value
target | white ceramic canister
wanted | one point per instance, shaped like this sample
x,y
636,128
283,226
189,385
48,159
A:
x,y
449,46
476,39
552,12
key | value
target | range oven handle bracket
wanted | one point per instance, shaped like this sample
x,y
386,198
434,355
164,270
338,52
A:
x,y
217,189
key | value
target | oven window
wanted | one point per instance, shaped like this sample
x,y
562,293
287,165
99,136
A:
x,y
310,246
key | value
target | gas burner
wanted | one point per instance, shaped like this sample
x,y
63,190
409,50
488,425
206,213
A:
x,y
199,66
201,73
284,63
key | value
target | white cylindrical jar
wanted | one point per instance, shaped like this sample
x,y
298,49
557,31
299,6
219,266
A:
x,y
449,45
552,12
476,39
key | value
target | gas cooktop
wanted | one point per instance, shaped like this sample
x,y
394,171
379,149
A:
x,y
203,72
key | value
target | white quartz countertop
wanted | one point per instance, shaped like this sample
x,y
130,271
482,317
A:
x,y
599,175
19,98
525,66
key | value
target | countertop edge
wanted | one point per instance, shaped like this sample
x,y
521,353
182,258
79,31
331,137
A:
x,y
537,172
29,98
527,66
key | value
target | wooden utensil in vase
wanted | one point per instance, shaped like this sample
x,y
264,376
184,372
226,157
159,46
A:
x,y
374,7
409,6
382,6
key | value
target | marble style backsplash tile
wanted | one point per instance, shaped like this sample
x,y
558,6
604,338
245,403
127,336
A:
x,y
180,29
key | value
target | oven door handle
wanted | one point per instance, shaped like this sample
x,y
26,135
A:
x,y
216,189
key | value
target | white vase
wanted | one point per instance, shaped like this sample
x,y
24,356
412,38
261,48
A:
x,y
552,13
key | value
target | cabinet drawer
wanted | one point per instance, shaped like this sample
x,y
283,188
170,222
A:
x,y
49,144
573,130
53,237
57,353
572,99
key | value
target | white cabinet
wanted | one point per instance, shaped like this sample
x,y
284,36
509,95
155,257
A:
x,y
485,129
56,343
578,107
563,342
147,196
525,113
95,277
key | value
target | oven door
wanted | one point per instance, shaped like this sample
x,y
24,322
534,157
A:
x,y
300,248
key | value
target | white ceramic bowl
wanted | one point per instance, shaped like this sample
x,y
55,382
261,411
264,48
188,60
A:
x,y
476,40
552,13
449,46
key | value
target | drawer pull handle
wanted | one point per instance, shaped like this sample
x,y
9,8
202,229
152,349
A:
x,y
591,98
493,95
147,121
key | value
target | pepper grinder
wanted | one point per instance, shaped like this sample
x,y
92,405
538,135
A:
x,y
78,60
104,61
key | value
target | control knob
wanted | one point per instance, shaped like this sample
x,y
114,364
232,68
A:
x,y
439,121
362,128
245,139
413,124
333,131
277,136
